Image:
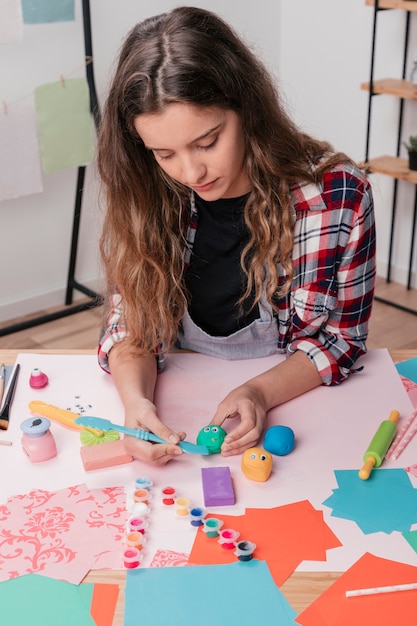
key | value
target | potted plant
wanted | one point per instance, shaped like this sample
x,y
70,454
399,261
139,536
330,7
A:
x,y
412,152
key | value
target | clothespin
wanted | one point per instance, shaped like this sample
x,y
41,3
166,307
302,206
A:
x,y
4,106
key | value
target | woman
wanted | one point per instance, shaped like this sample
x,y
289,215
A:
x,y
228,231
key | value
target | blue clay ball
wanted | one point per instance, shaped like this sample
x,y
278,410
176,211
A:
x,y
279,440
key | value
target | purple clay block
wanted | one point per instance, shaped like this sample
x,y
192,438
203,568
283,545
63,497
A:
x,y
217,486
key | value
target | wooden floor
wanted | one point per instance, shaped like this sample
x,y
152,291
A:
x,y
390,327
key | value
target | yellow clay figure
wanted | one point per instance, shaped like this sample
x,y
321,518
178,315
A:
x,y
257,464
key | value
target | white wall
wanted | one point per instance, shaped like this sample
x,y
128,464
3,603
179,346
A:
x,y
320,51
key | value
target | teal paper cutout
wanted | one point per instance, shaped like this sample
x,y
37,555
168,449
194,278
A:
x,y
386,502
408,369
41,601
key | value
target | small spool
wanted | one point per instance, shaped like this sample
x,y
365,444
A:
x,y
183,507
134,540
244,550
140,509
38,380
137,524
196,516
143,482
131,558
228,538
211,527
141,495
168,496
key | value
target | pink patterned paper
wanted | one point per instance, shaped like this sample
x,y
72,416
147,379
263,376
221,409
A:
x,y
411,388
169,558
60,534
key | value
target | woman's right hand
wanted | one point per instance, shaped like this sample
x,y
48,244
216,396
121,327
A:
x,y
145,417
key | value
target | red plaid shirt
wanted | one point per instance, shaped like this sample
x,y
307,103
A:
x,y
327,310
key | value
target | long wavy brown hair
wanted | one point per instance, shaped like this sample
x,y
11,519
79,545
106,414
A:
x,y
191,55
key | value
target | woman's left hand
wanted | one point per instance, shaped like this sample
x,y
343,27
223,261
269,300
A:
x,y
248,403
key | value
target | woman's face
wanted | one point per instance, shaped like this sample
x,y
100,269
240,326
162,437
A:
x,y
201,148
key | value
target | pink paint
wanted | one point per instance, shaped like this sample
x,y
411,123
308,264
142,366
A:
x,y
38,380
228,538
131,558
137,524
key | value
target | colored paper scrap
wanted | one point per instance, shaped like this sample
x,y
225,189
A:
x,y
366,503
408,369
65,124
103,603
235,593
42,601
283,550
11,21
411,538
20,164
62,534
332,608
47,11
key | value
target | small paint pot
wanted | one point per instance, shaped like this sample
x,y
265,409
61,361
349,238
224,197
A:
x,y
134,539
137,524
196,516
140,509
182,507
38,380
141,495
168,496
244,550
131,558
143,482
228,538
211,527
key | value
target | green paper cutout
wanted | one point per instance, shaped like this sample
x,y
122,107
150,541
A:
x,y
65,124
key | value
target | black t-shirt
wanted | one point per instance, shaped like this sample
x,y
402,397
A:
x,y
215,279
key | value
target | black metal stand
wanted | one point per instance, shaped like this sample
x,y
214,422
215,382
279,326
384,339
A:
x,y
72,284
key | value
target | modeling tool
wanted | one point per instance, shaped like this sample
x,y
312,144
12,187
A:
x,y
103,424
7,405
64,417
379,445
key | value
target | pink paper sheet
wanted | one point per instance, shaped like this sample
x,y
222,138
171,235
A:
x,y
61,534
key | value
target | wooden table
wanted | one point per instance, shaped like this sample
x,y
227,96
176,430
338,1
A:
x,y
301,589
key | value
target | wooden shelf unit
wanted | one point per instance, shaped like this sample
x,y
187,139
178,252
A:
x,y
405,90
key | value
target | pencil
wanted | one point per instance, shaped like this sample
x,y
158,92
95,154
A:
x,y
374,590
2,379
5,410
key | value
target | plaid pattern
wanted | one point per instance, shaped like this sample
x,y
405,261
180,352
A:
x,y
327,310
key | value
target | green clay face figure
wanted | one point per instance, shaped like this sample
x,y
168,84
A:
x,y
212,437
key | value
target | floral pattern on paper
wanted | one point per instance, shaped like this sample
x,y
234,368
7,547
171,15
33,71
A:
x,y
169,558
62,534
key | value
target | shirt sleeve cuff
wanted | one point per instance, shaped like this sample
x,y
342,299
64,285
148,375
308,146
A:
x,y
330,371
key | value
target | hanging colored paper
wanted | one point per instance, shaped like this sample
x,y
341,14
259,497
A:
x,y
20,165
11,21
47,11
65,124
